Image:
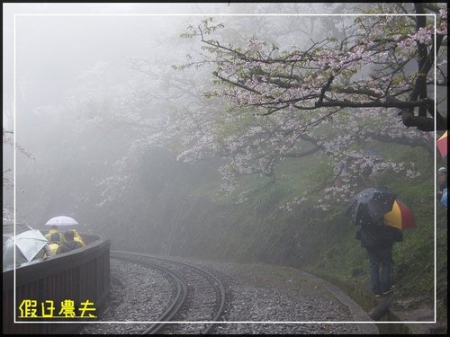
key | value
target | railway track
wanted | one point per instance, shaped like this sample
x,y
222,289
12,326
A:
x,y
197,298
152,294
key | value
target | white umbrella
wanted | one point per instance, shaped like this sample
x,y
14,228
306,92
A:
x,y
30,243
61,221
8,255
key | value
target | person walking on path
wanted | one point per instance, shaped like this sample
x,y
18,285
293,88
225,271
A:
x,y
378,239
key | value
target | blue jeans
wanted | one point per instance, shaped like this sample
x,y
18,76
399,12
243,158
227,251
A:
x,y
380,268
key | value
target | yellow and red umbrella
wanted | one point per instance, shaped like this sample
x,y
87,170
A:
x,y
400,216
442,144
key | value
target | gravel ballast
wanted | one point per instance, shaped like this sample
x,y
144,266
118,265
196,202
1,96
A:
x,y
261,299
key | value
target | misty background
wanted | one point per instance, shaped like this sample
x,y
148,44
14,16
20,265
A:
x,y
86,89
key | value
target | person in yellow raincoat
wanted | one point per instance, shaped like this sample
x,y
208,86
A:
x,y
52,247
70,243
55,230
77,238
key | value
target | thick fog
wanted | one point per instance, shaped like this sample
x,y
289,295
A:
x,y
89,93
62,63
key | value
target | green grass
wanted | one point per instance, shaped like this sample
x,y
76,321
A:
x,y
324,242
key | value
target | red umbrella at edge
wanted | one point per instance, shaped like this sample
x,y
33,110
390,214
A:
x,y
442,144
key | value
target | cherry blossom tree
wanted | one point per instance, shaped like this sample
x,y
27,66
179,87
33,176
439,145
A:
x,y
334,97
369,68
322,86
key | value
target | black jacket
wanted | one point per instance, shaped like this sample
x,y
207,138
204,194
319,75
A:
x,y
379,235
68,246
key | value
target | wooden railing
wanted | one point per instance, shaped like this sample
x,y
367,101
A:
x,y
81,276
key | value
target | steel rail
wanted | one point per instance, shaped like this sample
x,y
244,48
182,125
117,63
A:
x,y
180,297
217,284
